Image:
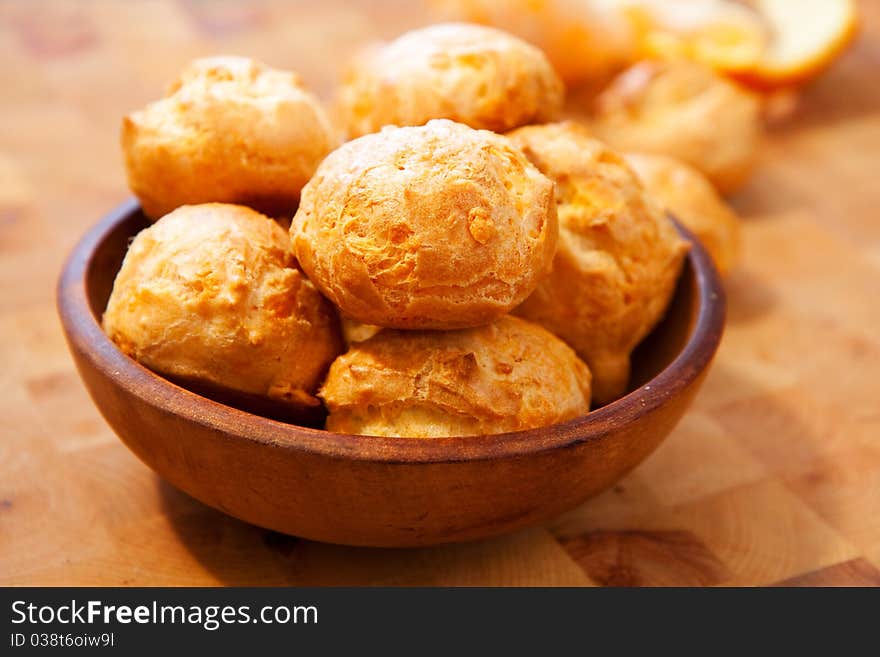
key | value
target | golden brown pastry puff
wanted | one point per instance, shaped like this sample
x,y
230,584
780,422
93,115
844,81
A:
x,y
585,40
692,199
618,259
507,376
476,75
230,129
685,110
211,293
438,226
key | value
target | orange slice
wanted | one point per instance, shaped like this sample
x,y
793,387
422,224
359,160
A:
x,y
806,37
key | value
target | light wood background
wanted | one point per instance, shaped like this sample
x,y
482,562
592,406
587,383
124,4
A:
x,y
773,477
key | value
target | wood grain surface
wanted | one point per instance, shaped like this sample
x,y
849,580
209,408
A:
x,y
772,478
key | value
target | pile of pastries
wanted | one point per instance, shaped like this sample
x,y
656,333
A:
x,y
768,45
447,256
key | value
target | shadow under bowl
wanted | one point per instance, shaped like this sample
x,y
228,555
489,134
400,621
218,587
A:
x,y
377,491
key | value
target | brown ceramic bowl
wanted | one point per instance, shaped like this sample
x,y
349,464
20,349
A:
x,y
361,490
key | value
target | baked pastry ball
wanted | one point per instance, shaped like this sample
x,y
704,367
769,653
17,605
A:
x,y
585,40
476,75
692,199
211,294
438,226
618,259
684,110
230,129
506,376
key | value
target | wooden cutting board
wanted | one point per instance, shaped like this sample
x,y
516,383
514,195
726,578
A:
x,y
773,477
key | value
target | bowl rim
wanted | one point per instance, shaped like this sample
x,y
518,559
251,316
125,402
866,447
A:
x,y
86,336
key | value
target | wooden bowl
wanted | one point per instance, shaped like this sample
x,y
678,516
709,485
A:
x,y
373,491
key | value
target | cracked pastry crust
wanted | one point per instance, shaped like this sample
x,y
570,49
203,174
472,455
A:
x,y
212,293
684,110
472,74
231,130
692,199
506,376
439,226
618,258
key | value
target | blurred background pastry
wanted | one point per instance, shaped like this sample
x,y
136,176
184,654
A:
x,y
439,226
692,199
766,44
507,376
476,75
685,110
231,130
585,40
618,256
211,293
727,35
